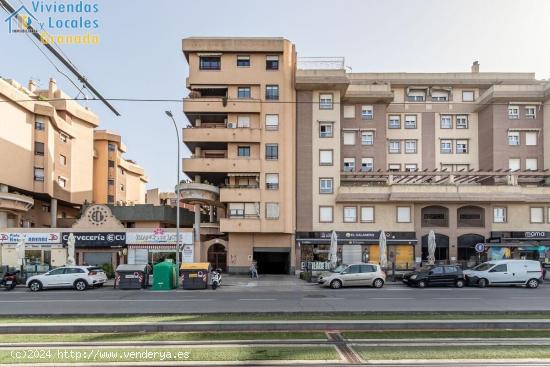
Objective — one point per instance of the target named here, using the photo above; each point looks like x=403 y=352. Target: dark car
x=435 y=275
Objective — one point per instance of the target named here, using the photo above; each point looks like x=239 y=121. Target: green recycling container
x=165 y=276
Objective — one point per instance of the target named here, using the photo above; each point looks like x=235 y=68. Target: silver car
x=354 y=275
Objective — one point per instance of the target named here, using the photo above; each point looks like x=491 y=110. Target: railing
x=435 y=222
x=321 y=63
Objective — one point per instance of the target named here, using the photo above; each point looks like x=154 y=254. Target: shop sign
x=96 y=239
x=359 y=235
x=536 y=234
x=157 y=237
x=187 y=253
x=30 y=238
x=315 y=265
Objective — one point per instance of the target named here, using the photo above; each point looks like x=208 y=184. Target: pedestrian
x=254 y=270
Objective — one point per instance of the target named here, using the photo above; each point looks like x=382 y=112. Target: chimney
x=475 y=67
x=52 y=88
x=32 y=86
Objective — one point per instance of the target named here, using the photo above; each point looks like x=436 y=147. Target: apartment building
x=462 y=154
x=46 y=155
x=117 y=180
x=242 y=138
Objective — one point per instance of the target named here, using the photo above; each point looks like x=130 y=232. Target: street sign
x=480 y=247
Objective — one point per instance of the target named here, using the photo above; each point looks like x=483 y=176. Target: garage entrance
x=272 y=260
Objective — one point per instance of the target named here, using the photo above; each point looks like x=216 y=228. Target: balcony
x=197 y=193
x=220 y=165
x=191 y=136
x=194 y=105
x=240 y=194
x=240 y=225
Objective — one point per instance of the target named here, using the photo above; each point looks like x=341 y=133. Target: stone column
x=212 y=208
x=197 y=233
x=53 y=213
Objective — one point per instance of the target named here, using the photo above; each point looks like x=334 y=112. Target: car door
x=499 y=274
x=450 y=275
x=53 y=278
x=436 y=276
x=71 y=274
x=367 y=274
x=352 y=275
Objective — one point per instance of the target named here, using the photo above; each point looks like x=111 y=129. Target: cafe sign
x=96 y=239
x=157 y=237
x=31 y=238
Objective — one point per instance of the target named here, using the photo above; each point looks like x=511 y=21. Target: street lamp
x=178 y=249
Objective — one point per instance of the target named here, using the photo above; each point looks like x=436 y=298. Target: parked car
x=77 y=277
x=354 y=275
x=435 y=275
x=506 y=272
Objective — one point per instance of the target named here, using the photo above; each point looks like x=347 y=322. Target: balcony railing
x=435 y=222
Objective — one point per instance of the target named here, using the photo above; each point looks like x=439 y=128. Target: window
x=394 y=167
x=461 y=146
x=38 y=148
x=462 y=121
x=394 y=146
x=367 y=214
x=367 y=112
x=349 y=111
x=326 y=185
x=416 y=95
x=513 y=138
x=349 y=164
x=272 y=181
x=244 y=210
x=411 y=167
x=410 y=146
x=271 y=151
x=499 y=215
x=446 y=146
x=111 y=147
x=531 y=138
x=63 y=137
x=121 y=170
x=62 y=160
x=349 y=137
x=437 y=270
x=513 y=112
x=243 y=151
x=243 y=92
x=446 y=122
x=110 y=199
x=325 y=214
x=531 y=164
x=367 y=164
x=38 y=174
x=46 y=208
x=38 y=125
x=325 y=130
x=325 y=101
x=537 y=215
x=272 y=210
x=62 y=181
x=243 y=121
x=394 y=122
x=530 y=112
x=210 y=63
x=467 y=96
x=403 y=214
x=325 y=157
x=514 y=164
x=272 y=92
x=440 y=96
x=410 y=122
x=111 y=182
x=243 y=61
x=500 y=268
x=236 y=210
x=350 y=214
x=272 y=122
x=367 y=138
x=272 y=62
x=368 y=268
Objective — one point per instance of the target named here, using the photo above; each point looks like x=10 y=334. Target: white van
x=506 y=272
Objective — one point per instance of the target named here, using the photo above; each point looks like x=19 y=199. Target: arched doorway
x=441 y=249
x=466 y=246
x=217 y=256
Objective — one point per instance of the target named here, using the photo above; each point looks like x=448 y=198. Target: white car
x=506 y=272
x=354 y=275
x=77 y=277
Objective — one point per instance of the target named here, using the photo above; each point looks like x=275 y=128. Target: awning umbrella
x=333 y=251
x=20 y=250
x=431 y=247
x=70 y=250
x=382 y=246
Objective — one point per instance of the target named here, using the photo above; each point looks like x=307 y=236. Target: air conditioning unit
x=232 y=125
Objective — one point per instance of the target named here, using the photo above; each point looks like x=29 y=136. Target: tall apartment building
x=46 y=154
x=117 y=180
x=242 y=138
x=462 y=154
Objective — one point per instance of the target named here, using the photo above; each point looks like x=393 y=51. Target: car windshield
x=339 y=268
x=483 y=267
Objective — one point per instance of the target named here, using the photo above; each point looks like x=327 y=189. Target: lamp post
x=178 y=249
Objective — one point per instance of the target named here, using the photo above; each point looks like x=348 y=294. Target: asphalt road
x=288 y=295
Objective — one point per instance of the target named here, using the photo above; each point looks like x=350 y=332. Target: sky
x=139 y=54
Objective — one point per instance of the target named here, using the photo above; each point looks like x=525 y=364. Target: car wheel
x=421 y=284
x=532 y=283
x=459 y=283
x=80 y=285
x=335 y=284
x=378 y=283
x=482 y=283
x=35 y=286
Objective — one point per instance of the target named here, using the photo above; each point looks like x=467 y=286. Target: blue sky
x=139 y=55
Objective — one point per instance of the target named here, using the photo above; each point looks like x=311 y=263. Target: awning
x=536 y=129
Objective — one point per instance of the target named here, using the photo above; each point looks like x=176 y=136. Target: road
x=276 y=295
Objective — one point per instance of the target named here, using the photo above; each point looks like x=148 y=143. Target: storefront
x=105 y=249
x=356 y=247
x=157 y=245
x=528 y=245
x=43 y=251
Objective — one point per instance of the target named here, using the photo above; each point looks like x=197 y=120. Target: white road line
x=257 y=299
x=389 y=298
x=457 y=298
x=106 y=300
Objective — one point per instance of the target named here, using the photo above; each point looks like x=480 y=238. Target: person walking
x=254 y=270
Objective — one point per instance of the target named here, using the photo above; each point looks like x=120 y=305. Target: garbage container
x=132 y=276
x=195 y=275
x=164 y=276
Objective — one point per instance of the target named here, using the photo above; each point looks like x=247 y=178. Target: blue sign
x=480 y=247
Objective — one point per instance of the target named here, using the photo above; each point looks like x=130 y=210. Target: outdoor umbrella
x=70 y=249
x=382 y=248
x=20 y=250
x=333 y=251
x=431 y=247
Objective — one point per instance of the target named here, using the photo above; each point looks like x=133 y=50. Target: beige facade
x=117 y=180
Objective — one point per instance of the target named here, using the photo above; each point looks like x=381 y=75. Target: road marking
x=456 y=298
x=390 y=298
x=106 y=300
x=257 y=299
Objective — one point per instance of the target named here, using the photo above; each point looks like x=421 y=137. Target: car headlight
x=413 y=276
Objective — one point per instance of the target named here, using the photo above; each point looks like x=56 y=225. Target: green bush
x=108 y=269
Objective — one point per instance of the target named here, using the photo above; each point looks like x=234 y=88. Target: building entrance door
x=217 y=256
